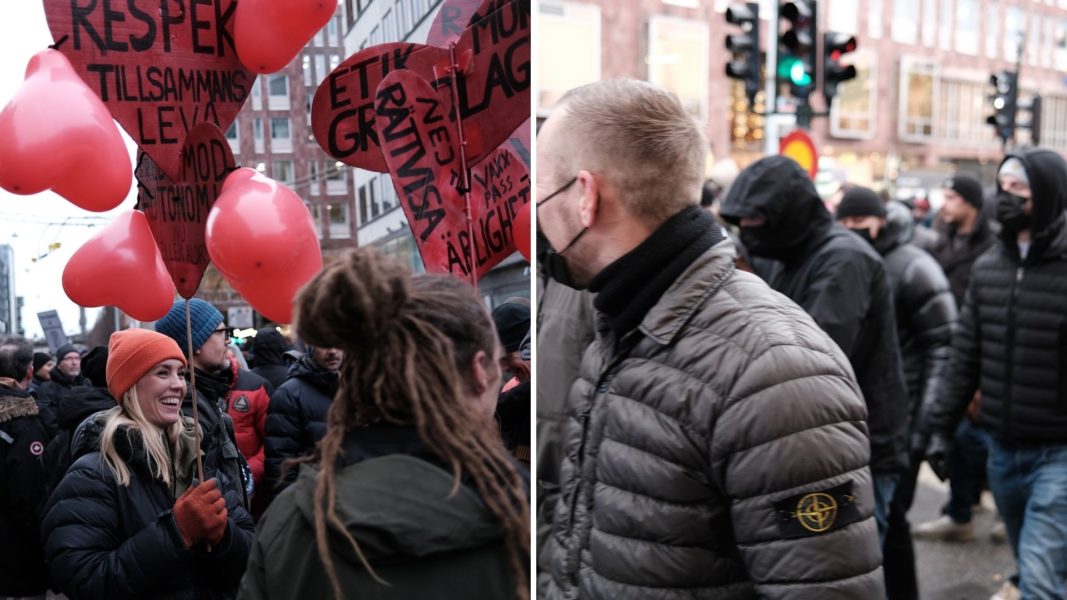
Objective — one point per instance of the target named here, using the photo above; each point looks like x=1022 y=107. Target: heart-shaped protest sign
x=160 y=70
x=492 y=88
x=177 y=209
x=420 y=145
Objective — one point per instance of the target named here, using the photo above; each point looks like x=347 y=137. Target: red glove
x=200 y=513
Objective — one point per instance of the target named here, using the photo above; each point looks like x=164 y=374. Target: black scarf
x=629 y=287
x=215 y=386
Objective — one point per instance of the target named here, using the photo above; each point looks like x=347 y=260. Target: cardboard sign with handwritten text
x=419 y=144
x=493 y=88
x=159 y=67
x=177 y=209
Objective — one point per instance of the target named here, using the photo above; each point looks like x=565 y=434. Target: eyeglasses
x=222 y=330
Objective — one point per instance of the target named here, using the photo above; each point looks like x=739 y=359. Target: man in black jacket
x=296 y=420
x=22 y=475
x=64 y=377
x=925 y=314
x=43 y=363
x=1012 y=345
x=841 y=282
x=268 y=352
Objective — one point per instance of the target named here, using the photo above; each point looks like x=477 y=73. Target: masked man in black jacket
x=1012 y=345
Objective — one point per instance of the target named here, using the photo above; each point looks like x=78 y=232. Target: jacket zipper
x=1010 y=349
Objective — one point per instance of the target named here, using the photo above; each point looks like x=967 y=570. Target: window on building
x=233 y=134
x=335 y=60
x=279 y=85
x=279 y=128
x=678 y=48
x=875 y=10
x=568 y=51
x=257 y=128
x=992 y=30
x=1014 y=27
x=945 y=24
x=364 y=215
x=905 y=27
x=336 y=172
x=340 y=223
x=389 y=26
x=1033 y=40
x=918 y=90
x=331 y=33
x=309 y=77
x=283 y=171
x=852 y=114
x=843 y=16
x=1054 y=122
x=372 y=198
x=968 y=13
x=1059 y=53
x=316 y=217
x=928 y=23
x=963 y=109
x=350 y=13
x=320 y=69
x=1048 y=49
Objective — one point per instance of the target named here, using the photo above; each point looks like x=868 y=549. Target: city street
x=957 y=571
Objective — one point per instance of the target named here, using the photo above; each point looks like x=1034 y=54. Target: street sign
x=799 y=147
x=53 y=329
x=239 y=317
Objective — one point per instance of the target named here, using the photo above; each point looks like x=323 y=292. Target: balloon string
x=464 y=169
x=196 y=414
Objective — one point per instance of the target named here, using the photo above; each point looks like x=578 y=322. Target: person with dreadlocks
x=411 y=493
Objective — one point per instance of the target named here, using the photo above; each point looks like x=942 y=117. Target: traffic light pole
x=770 y=134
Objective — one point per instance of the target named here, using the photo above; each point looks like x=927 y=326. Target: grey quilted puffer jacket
x=718 y=451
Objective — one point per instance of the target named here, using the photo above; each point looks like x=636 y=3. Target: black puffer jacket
x=1012 y=339
x=695 y=443
x=22 y=489
x=73 y=409
x=108 y=541
x=840 y=281
x=269 y=352
x=51 y=392
x=956 y=253
x=296 y=420
x=925 y=309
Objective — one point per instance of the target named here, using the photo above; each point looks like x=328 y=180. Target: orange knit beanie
x=132 y=353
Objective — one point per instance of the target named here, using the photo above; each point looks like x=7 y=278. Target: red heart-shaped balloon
x=121 y=266
x=177 y=210
x=159 y=70
x=58 y=135
x=421 y=148
x=493 y=87
x=270 y=33
x=262 y=239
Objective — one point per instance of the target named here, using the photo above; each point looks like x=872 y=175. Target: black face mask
x=1010 y=212
x=555 y=264
x=761 y=241
x=864 y=233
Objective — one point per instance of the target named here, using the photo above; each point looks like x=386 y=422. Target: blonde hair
x=640 y=138
x=128 y=415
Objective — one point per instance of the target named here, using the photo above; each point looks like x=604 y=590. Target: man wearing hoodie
x=64 y=377
x=1012 y=345
x=268 y=351
x=297 y=417
x=840 y=281
x=715 y=444
x=925 y=314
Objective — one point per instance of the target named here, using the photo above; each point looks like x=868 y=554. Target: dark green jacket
x=424 y=543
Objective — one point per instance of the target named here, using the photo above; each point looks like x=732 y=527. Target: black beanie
x=39 y=360
x=512 y=323
x=860 y=202
x=64 y=350
x=966 y=186
x=94 y=366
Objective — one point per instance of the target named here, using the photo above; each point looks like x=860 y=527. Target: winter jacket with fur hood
x=838 y=279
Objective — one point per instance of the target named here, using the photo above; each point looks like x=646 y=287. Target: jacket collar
x=15 y=403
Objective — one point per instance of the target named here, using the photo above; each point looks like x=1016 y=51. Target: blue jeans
x=966 y=467
x=1030 y=486
x=884 y=485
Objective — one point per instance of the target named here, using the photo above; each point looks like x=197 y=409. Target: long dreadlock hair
x=409 y=343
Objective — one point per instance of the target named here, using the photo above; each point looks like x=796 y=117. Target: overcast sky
x=30 y=223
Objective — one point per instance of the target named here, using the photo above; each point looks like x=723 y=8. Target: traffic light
x=796 y=52
x=1034 y=124
x=834 y=46
x=1004 y=98
x=745 y=64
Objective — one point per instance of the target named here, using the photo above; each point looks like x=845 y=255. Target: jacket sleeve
x=790 y=451
x=284 y=429
x=254 y=582
x=26 y=480
x=261 y=406
x=87 y=557
x=933 y=313
x=832 y=299
x=957 y=380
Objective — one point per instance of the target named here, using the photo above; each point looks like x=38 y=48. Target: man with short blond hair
x=715 y=442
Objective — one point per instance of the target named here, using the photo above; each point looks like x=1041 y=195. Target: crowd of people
x=371 y=462
x=738 y=405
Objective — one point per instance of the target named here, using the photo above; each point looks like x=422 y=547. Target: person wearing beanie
x=130 y=517
x=232 y=402
x=63 y=379
x=512 y=321
x=925 y=314
x=268 y=351
x=1010 y=347
x=42 y=369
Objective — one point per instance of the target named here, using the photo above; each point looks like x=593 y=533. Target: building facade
x=380 y=218
x=9 y=303
x=919 y=102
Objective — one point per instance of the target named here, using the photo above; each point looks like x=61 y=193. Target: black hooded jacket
x=1011 y=342
x=50 y=392
x=956 y=253
x=72 y=410
x=925 y=308
x=269 y=352
x=838 y=279
x=297 y=418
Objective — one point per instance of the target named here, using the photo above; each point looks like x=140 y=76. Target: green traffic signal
x=792 y=69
